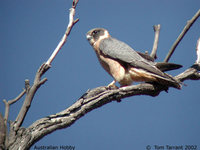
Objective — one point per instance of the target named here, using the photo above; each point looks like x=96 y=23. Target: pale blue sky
x=29 y=32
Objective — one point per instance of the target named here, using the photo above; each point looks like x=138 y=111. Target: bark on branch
x=2 y=132
x=10 y=102
x=91 y=100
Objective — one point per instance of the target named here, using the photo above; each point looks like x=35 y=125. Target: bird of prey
x=123 y=63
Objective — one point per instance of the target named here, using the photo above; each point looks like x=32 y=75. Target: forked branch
x=43 y=68
x=10 y=102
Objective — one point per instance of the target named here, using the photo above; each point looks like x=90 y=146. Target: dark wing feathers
x=165 y=66
x=118 y=50
x=121 y=51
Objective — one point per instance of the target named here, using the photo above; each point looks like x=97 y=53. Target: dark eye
x=94 y=32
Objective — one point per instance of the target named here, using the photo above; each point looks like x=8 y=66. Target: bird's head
x=97 y=34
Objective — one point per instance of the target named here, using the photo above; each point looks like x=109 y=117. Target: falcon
x=124 y=64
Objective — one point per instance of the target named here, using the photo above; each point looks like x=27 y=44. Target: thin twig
x=10 y=102
x=198 y=51
x=27 y=85
x=7 y=106
x=191 y=73
x=67 y=32
x=156 y=38
x=186 y=28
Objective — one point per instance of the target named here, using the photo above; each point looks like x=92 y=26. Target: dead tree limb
x=29 y=96
x=180 y=37
x=2 y=132
x=192 y=73
x=10 y=102
x=7 y=107
x=71 y=23
x=15 y=127
x=91 y=100
x=44 y=67
x=156 y=39
x=198 y=51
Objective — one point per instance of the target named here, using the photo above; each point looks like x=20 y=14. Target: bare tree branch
x=4 y=123
x=72 y=22
x=29 y=96
x=198 y=51
x=156 y=38
x=2 y=132
x=91 y=100
x=191 y=73
x=44 y=67
x=10 y=102
x=15 y=129
x=180 y=37
x=27 y=85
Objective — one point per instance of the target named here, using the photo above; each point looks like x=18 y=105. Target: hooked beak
x=89 y=37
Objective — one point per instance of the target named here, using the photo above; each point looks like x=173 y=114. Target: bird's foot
x=112 y=85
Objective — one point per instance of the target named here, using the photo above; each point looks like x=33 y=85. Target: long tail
x=172 y=82
x=163 y=66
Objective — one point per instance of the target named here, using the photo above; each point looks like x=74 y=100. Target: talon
x=112 y=85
